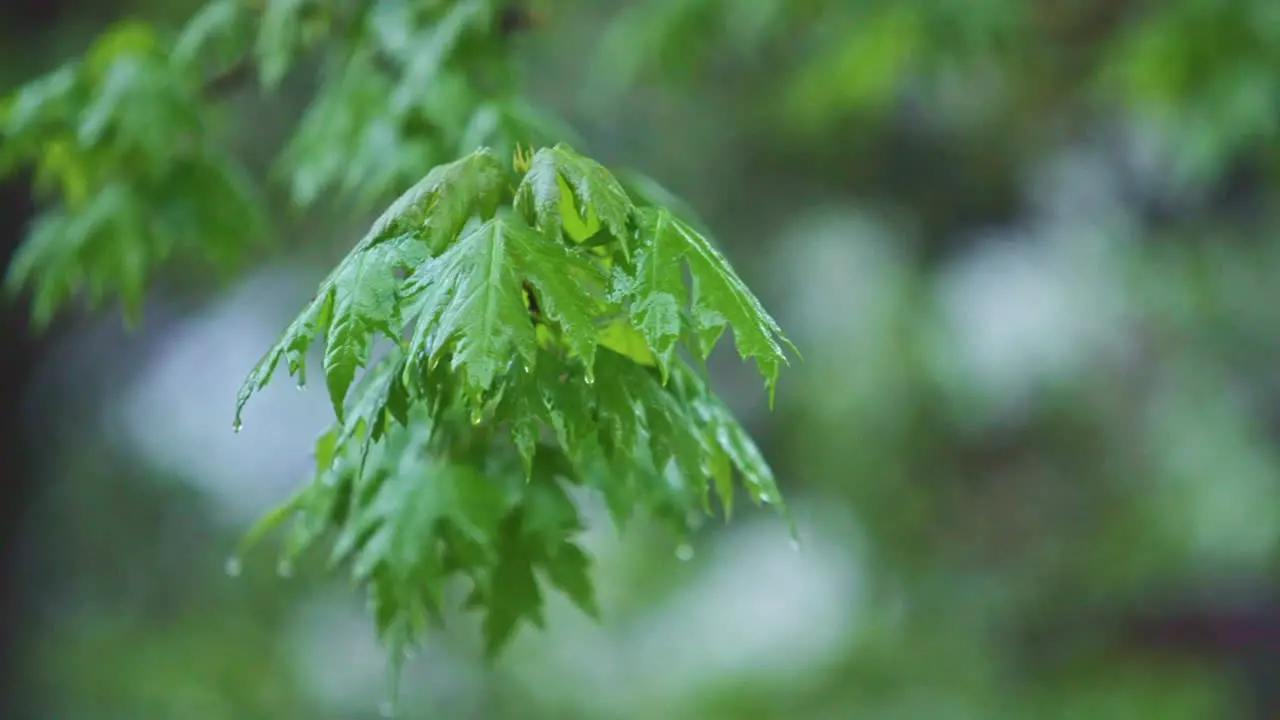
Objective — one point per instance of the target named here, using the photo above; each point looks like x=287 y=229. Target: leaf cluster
x=541 y=337
x=506 y=337
x=128 y=162
x=121 y=145
x=403 y=86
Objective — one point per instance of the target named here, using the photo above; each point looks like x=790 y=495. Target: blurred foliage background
x=1026 y=247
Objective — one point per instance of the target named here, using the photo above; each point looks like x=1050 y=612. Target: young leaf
x=557 y=173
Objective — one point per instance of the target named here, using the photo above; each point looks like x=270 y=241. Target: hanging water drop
x=477 y=416
x=237 y=427
x=684 y=553
x=387 y=709
x=795 y=544
x=233 y=567
x=591 y=379
x=284 y=569
x=302 y=387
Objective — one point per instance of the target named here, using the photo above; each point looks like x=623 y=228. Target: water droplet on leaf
x=591 y=379
x=233 y=567
x=684 y=553
x=237 y=427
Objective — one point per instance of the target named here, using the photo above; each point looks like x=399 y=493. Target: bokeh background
x=1028 y=250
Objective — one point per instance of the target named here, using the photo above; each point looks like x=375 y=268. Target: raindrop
x=302 y=387
x=233 y=567
x=795 y=545
x=684 y=553
x=477 y=416
x=591 y=379
x=284 y=569
x=237 y=427
x=387 y=709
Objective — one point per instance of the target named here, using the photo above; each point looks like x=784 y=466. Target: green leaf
x=357 y=302
x=47 y=100
x=362 y=299
x=214 y=39
x=473 y=301
x=570 y=570
x=530 y=369
x=543 y=397
x=363 y=295
x=434 y=47
x=558 y=172
x=280 y=36
x=349 y=140
x=502 y=123
x=420 y=493
x=535 y=536
x=512 y=595
x=656 y=294
x=120 y=142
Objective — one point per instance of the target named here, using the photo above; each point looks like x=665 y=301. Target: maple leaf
x=422 y=491
x=536 y=536
x=363 y=295
x=540 y=397
x=728 y=445
x=472 y=300
x=563 y=187
x=656 y=294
